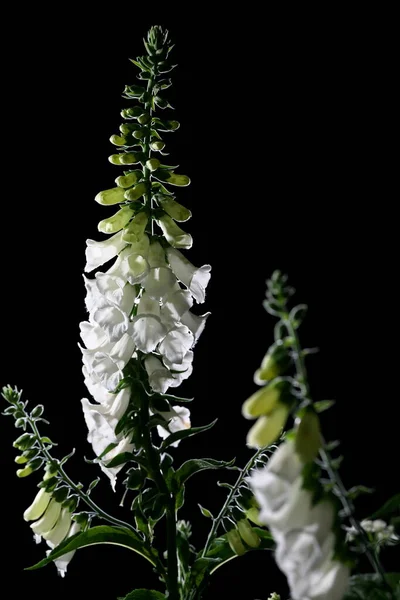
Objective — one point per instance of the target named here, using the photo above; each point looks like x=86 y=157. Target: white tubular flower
x=107 y=362
x=98 y=253
x=63 y=562
x=176 y=344
x=159 y=282
x=112 y=321
x=176 y=304
x=196 y=323
x=38 y=506
x=132 y=265
x=156 y=255
x=303 y=532
x=56 y=535
x=48 y=520
x=115 y=291
x=93 y=336
x=180 y=371
x=178 y=420
x=160 y=378
x=194 y=278
x=147 y=329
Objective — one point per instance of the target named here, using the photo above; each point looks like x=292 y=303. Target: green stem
x=158 y=477
x=99 y=511
x=147 y=153
x=231 y=494
x=332 y=472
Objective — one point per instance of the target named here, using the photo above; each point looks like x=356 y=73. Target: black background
x=287 y=134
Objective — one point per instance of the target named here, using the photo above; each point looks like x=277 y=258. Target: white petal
x=147 y=332
x=98 y=253
x=56 y=535
x=64 y=560
x=94 y=386
x=175 y=305
x=48 y=520
x=38 y=506
x=124 y=446
x=148 y=305
x=178 y=420
x=181 y=371
x=160 y=378
x=195 y=278
x=112 y=320
x=108 y=365
x=176 y=344
x=159 y=282
x=330 y=582
x=195 y=323
x=93 y=296
x=93 y=336
x=116 y=291
x=157 y=255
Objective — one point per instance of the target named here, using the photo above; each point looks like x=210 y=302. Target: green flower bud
x=173 y=178
x=136 y=228
x=174 y=234
x=37 y=411
x=265 y=400
x=25 y=441
x=308 y=436
x=19 y=422
x=152 y=164
x=174 y=209
x=115 y=159
x=235 y=542
x=267 y=429
x=248 y=534
x=126 y=181
x=143 y=118
x=131 y=112
x=139 y=134
x=118 y=140
x=130 y=158
x=274 y=363
x=109 y=197
x=157 y=145
x=136 y=192
x=117 y=221
x=21 y=460
x=25 y=472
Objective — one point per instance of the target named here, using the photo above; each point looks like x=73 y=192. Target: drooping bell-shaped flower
x=147 y=328
x=176 y=344
x=177 y=419
x=160 y=378
x=98 y=253
x=63 y=561
x=194 y=278
x=38 y=506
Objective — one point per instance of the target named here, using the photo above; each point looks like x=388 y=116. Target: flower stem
x=326 y=458
x=99 y=511
x=158 y=477
x=235 y=487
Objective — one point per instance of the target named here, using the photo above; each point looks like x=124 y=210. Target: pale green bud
x=157 y=145
x=264 y=401
x=129 y=158
x=109 y=197
x=174 y=209
x=235 y=542
x=126 y=181
x=48 y=520
x=274 y=363
x=117 y=221
x=143 y=118
x=135 y=193
x=38 y=506
x=308 y=436
x=248 y=534
x=115 y=159
x=21 y=460
x=152 y=164
x=24 y=472
x=253 y=515
x=118 y=140
x=136 y=228
x=267 y=429
x=174 y=234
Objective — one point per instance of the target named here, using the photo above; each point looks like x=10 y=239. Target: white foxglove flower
x=159 y=282
x=107 y=363
x=93 y=336
x=38 y=506
x=132 y=265
x=194 y=278
x=178 y=419
x=55 y=536
x=303 y=532
x=115 y=291
x=98 y=253
x=175 y=305
x=180 y=371
x=176 y=344
x=112 y=320
x=160 y=378
x=156 y=256
x=147 y=328
x=48 y=520
x=196 y=323
x=63 y=561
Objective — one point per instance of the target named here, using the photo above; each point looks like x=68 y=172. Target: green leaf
x=195 y=465
x=180 y=435
x=205 y=512
x=144 y=595
x=369 y=587
x=323 y=405
x=357 y=490
x=102 y=534
x=391 y=506
x=108 y=449
x=120 y=459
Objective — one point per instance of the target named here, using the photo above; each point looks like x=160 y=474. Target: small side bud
x=25 y=441
x=308 y=435
x=248 y=534
x=152 y=164
x=275 y=362
x=235 y=542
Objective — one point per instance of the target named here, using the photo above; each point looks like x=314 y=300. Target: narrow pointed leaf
x=180 y=435
x=195 y=465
